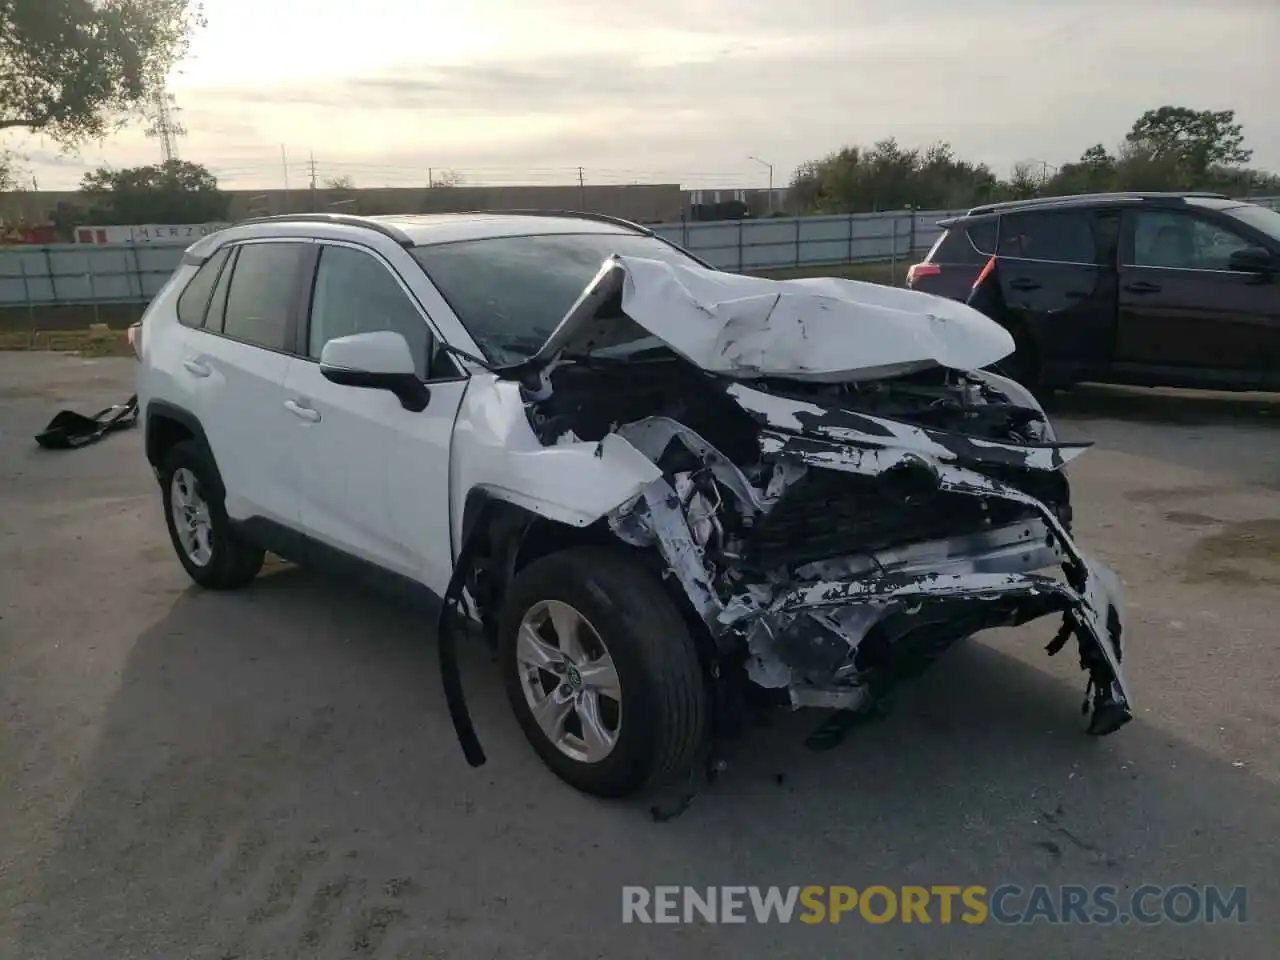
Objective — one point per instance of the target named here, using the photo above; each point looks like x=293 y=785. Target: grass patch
x=881 y=271
x=89 y=343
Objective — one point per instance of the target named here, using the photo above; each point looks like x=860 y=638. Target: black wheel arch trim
x=164 y=410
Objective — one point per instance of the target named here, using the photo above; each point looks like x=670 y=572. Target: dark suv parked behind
x=1151 y=289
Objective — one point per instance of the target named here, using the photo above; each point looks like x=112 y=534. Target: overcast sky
x=685 y=90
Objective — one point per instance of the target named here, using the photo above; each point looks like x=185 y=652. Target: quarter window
x=355 y=293
x=261 y=294
x=218 y=303
x=195 y=298
x=1063 y=237
x=1180 y=241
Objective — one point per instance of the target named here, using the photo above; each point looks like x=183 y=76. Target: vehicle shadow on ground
x=277 y=776
x=1174 y=407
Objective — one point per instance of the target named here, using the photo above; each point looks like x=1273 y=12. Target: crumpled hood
x=819 y=329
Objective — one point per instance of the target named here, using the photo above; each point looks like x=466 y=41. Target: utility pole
x=1045 y=167
x=313 y=182
x=765 y=163
x=284 y=163
x=582 y=191
x=431 y=182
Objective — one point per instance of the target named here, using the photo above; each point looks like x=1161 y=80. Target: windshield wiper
x=470 y=357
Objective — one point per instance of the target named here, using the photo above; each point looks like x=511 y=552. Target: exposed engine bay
x=841 y=536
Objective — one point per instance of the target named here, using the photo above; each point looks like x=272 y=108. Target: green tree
x=10 y=170
x=70 y=69
x=446 y=178
x=177 y=192
x=1169 y=148
x=1192 y=141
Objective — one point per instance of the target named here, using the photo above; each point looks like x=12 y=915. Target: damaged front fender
x=496 y=451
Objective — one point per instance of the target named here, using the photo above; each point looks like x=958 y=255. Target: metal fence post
x=911 y=235
x=48 y=267
x=137 y=269
x=893 y=257
x=849 y=224
x=93 y=288
x=26 y=293
x=741 y=265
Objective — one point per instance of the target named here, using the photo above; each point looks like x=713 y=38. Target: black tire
x=1023 y=365
x=665 y=721
x=232 y=562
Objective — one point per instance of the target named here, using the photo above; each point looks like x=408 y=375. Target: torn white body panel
x=824 y=329
x=572 y=482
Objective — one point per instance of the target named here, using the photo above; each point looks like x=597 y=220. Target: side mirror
x=377 y=361
x=1253 y=260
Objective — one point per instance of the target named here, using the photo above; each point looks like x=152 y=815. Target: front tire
x=213 y=556
x=602 y=672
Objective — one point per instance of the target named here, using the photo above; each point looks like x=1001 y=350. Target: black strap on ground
x=70 y=430
x=452 y=616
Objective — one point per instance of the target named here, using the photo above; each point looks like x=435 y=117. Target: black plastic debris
x=70 y=430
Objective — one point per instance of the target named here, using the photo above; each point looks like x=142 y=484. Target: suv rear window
x=973 y=244
x=1060 y=236
x=194 y=300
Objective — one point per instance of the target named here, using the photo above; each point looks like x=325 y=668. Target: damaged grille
x=829 y=514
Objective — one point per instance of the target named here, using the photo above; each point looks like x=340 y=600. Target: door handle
x=1024 y=284
x=196 y=368
x=1141 y=286
x=310 y=414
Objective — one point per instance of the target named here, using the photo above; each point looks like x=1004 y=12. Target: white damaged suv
x=664 y=492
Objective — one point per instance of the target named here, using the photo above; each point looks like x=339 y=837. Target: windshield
x=511 y=292
x=1260 y=218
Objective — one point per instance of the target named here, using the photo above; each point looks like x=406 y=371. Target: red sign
x=24 y=234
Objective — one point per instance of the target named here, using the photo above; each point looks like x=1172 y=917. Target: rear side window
x=261 y=299
x=973 y=244
x=218 y=305
x=195 y=298
x=1063 y=237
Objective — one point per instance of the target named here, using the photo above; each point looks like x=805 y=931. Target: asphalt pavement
x=272 y=773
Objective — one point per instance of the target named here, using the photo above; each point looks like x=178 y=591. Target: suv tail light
x=135 y=338
x=918 y=270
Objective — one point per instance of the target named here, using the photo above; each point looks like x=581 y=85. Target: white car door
x=237 y=363
x=372 y=477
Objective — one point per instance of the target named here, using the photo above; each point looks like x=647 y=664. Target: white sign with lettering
x=160 y=234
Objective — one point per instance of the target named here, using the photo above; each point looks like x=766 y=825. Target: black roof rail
x=341 y=219
x=1116 y=195
x=576 y=214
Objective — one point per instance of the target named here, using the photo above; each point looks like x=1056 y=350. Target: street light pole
x=769 y=166
x=1045 y=167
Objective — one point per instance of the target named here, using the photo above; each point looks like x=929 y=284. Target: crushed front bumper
x=939 y=578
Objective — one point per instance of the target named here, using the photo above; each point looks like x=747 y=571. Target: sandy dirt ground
x=272 y=774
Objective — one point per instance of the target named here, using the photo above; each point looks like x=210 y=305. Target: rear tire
x=202 y=535
x=1023 y=365
x=658 y=714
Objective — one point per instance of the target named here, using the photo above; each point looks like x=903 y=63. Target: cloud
x=685 y=90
